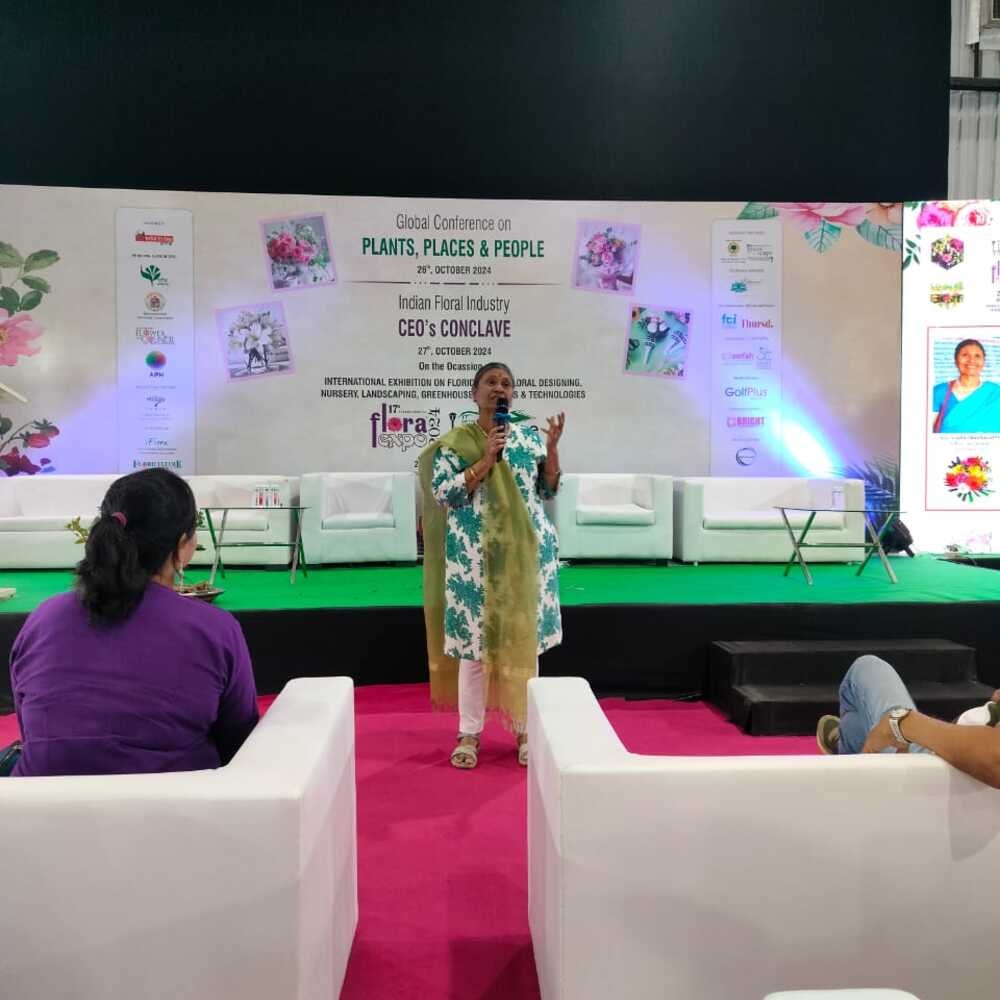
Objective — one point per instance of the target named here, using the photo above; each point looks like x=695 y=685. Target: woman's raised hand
x=554 y=431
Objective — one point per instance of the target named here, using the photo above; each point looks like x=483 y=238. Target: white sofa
x=716 y=877
x=733 y=519
x=239 y=882
x=356 y=517
x=34 y=511
x=265 y=525
x=614 y=516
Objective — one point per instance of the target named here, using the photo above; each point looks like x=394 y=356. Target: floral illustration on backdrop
x=606 y=256
x=22 y=290
x=823 y=222
x=254 y=340
x=940 y=215
x=657 y=341
x=298 y=252
x=969 y=478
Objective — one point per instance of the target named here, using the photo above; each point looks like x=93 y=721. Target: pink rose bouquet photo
x=298 y=253
x=606 y=256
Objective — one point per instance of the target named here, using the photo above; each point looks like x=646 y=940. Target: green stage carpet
x=925 y=580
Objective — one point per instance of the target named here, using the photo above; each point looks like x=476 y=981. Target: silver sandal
x=466 y=755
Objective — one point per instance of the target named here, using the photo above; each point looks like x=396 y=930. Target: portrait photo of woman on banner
x=967 y=403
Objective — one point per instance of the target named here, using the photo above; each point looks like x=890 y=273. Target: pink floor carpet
x=441 y=853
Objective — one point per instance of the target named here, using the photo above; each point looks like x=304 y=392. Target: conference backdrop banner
x=746 y=348
x=342 y=333
x=951 y=374
x=155 y=305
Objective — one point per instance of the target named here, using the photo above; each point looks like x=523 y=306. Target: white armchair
x=716 y=877
x=614 y=516
x=237 y=882
x=359 y=517
x=733 y=519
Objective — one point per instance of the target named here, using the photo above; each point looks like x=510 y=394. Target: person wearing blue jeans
x=877 y=715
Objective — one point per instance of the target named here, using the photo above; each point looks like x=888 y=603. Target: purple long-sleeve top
x=170 y=688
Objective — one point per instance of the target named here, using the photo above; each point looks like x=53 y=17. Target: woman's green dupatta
x=509 y=618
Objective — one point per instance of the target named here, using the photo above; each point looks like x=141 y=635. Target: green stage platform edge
x=922 y=580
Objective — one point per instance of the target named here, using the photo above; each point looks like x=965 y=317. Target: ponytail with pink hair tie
x=120 y=518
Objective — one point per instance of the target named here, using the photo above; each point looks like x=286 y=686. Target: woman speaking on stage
x=967 y=404
x=491 y=575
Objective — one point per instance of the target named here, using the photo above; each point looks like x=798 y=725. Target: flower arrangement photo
x=969 y=478
x=298 y=253
x=606 y=256
x=22 y=290
x=657 y=341
x=254 y=340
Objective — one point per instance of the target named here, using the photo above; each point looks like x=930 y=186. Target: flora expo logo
x=392 y=427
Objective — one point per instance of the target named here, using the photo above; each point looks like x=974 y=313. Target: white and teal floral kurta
x=463 y=570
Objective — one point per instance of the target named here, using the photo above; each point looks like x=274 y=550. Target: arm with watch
x=974 y=750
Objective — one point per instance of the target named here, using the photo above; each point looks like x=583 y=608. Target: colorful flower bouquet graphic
x=298 y=253
x=606 y=256
x=969 y=479
x=22 y=290
x=947 y=251
x=657 y=341
x=254 y=340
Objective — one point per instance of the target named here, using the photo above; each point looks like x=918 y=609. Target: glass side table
x=872 y=543
x=298 y=552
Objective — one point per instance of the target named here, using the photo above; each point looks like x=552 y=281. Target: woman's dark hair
x=142 y=519
x=969 y=343
x=488 y=367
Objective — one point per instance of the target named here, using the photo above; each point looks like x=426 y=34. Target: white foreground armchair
x=203 y=885
x=358 y=517
x=614 y=516
x=733 y=519
x=716 y=877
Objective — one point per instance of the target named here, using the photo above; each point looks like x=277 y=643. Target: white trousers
x=472 y=696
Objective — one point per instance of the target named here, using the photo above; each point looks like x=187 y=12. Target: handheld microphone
x=501 y=418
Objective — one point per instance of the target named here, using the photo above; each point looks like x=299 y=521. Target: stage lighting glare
x=805 y=450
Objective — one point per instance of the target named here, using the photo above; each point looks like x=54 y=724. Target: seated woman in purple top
x=124 y=675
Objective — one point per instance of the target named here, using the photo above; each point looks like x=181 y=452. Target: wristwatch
x=896 y=716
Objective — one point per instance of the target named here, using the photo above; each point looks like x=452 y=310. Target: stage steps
x=771 y=687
